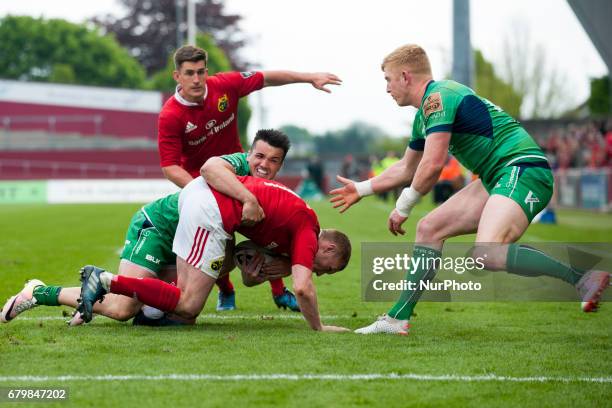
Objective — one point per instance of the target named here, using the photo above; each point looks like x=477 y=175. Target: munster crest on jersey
x=222 y=103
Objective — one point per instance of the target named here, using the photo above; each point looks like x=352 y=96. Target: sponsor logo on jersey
x=246 y=75
x=217 y=264
x=530 y=199
x=151 y=258
x=210 y=124
x=437 y=115
x=190 y=127
x=222 y=103
x=196 y=141
x=433 y=103
x=217 y=128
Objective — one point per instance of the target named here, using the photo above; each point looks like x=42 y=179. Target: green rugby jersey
x=484 y=138
x=163 y=213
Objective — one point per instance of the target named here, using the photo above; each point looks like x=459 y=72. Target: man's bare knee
x=188 y=307
x=123 y=309
x=427 y=230
x=187 y=312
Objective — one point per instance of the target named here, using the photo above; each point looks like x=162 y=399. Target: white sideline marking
x=299 y=377
x=213 y=316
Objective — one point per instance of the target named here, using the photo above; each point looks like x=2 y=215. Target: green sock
x=525 y=261
x=402 y=310
x=47 y=295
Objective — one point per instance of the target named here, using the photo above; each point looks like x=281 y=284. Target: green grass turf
x=507 y=339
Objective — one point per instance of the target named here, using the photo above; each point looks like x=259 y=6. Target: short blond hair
x=412 y=55
x=342 y=242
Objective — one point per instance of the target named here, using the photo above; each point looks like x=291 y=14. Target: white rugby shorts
x=200 y=238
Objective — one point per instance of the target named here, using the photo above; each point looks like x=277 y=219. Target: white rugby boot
x=20 y=302
x=386 y=324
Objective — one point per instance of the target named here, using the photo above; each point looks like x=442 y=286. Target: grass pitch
x=458 y=354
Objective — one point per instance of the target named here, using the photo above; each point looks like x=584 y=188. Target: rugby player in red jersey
x=207 y=220
x=201 y=121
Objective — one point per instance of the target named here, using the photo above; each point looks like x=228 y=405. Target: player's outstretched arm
x=317 y=79
x=426 y=175
x=434 y=157
x=307 y=299
x=221 y=176
x=399 y=174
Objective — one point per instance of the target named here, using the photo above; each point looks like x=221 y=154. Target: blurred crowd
x=578 y=146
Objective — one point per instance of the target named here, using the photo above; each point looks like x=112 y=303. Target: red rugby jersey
x=290 y=228
x=191 y=133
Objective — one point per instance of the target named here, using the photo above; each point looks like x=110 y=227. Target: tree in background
x=148 y=30
x=382 y=145
x=489 y=85
x=359 y=138
x=302 y=141
x=58 y=51
x=353 y=139
x=527 y=68
x=599 y=101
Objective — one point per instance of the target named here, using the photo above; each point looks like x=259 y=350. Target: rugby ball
x=246 y=251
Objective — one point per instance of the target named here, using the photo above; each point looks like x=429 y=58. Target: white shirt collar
x=184 y=101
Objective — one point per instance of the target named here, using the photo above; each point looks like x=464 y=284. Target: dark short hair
x=189 y=53
x=274 y=138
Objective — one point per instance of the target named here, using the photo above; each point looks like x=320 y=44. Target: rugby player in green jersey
x=148 y=245
x=515 y=183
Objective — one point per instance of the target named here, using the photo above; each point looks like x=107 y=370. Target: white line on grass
x=209 y=316
x=300 y=377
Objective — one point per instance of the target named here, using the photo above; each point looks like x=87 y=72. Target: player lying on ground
x=515 y=183
x=148 y=249
x=207 y=220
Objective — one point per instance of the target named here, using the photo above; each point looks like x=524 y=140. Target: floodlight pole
x=463 y=60
x=191 y=23
x=179 y=4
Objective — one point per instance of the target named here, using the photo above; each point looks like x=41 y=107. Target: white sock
x=105 y=280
